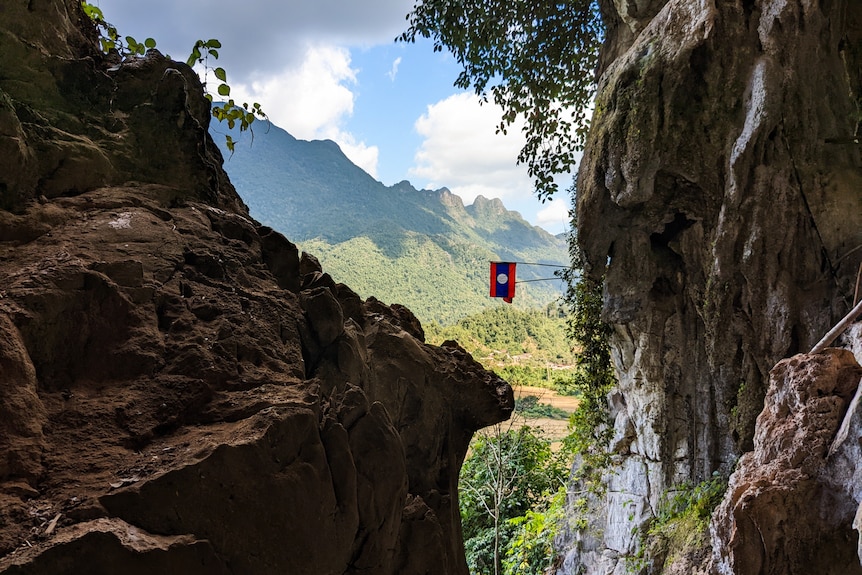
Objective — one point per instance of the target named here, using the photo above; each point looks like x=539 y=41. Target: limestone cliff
x=719 y=196
x=181 y=391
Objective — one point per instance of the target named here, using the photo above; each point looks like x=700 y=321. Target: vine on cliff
x=595 y=377
x=228 y=111
x=109 y=37
x=681 y=525
x=590 y=426
x=127 y=47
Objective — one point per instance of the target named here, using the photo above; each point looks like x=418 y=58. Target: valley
x=424 y=249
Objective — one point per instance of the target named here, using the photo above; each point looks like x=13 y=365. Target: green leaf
x=213 y=53
x=213 y=43
x=194 y=56
x=94 y=12
x=150 y=43
x=220 y=74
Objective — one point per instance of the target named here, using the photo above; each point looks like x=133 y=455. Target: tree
x=530 y=550
x=510 y=474
x=536 y=58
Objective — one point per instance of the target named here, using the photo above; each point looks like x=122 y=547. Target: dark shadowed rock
x=180 y=390
x=105 y=546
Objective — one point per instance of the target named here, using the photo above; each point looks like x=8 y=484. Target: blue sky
x=330 y=69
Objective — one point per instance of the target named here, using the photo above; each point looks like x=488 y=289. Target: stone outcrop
x=181 y=390
x=791 y=502
x=719 y=198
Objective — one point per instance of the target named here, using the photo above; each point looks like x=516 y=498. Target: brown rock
x=22 y=415
x=105 y=546
x=180 y=391
x=782 y=513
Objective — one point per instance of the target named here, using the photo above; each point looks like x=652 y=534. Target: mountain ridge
x=425 y=248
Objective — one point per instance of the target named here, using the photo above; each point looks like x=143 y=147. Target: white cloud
x=309 y=99
x=313 y=101
x=462 y=151
x=360 y=153
x=554 y=215
x=394 y=70
x=260 y=37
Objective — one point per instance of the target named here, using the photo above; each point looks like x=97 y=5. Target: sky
x=331 y=69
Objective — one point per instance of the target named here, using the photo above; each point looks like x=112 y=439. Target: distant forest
x=526 y=347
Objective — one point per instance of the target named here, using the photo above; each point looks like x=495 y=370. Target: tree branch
x=839 y=328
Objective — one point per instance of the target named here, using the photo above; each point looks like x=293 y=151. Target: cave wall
x=719 y=197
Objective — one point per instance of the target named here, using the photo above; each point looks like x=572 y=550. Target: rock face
x=791 y=502
x=719 y=198
x=182 y=391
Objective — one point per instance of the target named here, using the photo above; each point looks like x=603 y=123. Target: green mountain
x=421 y=248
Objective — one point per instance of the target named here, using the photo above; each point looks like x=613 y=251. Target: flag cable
x=538 y=280
x=536 y=264
x=532 y=264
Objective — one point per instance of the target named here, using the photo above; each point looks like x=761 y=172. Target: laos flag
x=503 y=280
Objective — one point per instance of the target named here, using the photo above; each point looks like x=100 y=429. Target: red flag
x=503 y=280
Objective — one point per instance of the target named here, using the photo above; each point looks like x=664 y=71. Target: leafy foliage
x=682 y=522
x=537 y=60
x=533 y=372
x=110 y=38
x=529 y=406
x=126 y=48
x=235 y=115
x=510 y=473
x=530 y=549
x=505 y=331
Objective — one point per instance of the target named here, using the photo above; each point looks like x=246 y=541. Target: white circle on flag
x=502 y=278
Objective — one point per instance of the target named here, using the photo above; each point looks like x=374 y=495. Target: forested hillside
x=420 y=248
x=526 y=347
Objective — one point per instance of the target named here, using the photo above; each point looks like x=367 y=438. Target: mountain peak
x=419 y=247
x=484 y=207
x=448 y=199
x=404 y=186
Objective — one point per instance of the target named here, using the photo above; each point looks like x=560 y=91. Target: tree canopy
x=508 y=480
x=536 y=58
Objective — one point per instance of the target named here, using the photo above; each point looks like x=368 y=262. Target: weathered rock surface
x=719 y=198
x=790 y=504
x=182 y=391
